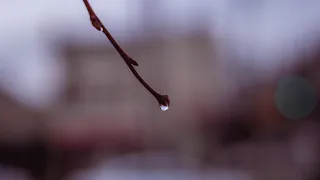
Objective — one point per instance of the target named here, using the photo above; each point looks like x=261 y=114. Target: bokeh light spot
x=295 y=97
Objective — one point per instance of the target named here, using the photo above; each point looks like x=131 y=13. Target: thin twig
x=163 y=100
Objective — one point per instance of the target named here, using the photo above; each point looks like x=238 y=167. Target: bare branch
x=163 y=100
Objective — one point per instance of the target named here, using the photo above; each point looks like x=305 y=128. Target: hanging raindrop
x=163 y=107
x=164 y=102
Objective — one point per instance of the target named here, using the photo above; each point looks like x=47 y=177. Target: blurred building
x=103 y=102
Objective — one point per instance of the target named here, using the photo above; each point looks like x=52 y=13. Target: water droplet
x=163 y=107
x=101 y=29
x=164 y=102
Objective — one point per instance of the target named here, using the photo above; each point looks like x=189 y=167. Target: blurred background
x=242 y=77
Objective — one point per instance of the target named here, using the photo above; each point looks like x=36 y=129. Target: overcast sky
x=267 y=30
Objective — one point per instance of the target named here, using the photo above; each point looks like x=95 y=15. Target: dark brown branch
x=163 y=100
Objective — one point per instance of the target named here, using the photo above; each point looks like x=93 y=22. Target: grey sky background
x=260 y=33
